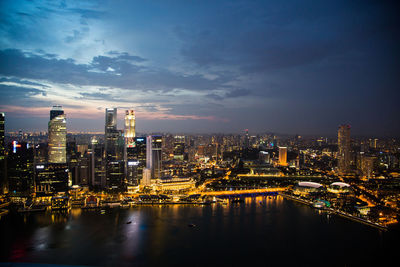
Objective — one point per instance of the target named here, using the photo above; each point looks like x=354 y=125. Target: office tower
x=98 y=166
x=136 y=161
x=3 y=176
x=113 y=151
x=2 y=144
x=344 y=148
x=156 y=157
x=153 y=155
x=111 y=134
x=367 y=166
x=20 y=169
x=129 y=143
x=130 y=123
x=57 y=136
x=179 y=147
x=283 y=156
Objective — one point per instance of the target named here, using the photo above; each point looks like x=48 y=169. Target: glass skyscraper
x=57 y=136
x=113 y=151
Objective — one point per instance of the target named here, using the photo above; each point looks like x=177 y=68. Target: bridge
x=246 y=192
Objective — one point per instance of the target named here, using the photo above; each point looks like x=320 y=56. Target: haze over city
x=213 y=66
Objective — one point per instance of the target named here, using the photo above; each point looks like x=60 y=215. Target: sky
x=295 y=67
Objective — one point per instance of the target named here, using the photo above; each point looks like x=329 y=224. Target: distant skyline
x=210 y=66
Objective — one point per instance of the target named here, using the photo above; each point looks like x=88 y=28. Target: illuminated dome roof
x=310 y=184
x=340 y=184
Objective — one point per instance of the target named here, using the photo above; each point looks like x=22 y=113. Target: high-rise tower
x=113 y=151
x=130 y=124
x=344 y=148
x=111 y=134
x=2 y=148
x=283 y=156
x=57 y=136
x=3 y=183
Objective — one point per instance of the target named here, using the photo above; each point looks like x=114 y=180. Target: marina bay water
x=266 y=231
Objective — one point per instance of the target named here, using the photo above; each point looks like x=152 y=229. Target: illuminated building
x=20 y=168
x=97 y=165
x=130 y=124
x=129 y=143
x=2 y=147
x=113 y=150
x=136 y=161
x=339 y=188
x=3 y=179
x=344 y=148
x=51 y=178
x=367 y=166
x=264 y=157
x=305 y=188
x=154 y=155
x=146 y=180
x=57 y=136
x=174 y=184
x=283 y=156
x=111 y=134
x=179 y=147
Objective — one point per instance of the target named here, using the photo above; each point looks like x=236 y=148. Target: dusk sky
x=203 y=66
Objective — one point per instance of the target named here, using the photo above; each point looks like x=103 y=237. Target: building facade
x=57 y=136
x=344 y=149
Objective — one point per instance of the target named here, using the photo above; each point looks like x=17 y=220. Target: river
x=261 y=231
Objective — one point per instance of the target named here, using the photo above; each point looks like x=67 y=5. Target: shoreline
x=338 y=212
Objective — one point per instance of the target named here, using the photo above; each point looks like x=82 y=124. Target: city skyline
x=301 y=68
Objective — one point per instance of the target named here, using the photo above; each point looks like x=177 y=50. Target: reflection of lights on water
x=76 y=212
x=40 y=236
x=41 y=246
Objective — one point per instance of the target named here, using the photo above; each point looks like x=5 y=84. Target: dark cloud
x=126 y=73
x=291 y=66
x=238 y=93
x=21 y=96
x=23 y=82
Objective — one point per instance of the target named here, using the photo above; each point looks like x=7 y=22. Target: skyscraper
x=153 y=155
x=129 y=143
x=57 y=136
x=130 y=124
x=2 y=148
x=344 y=148
x=3 y=179
x=136 y=161
x=156 y=156
x=283 y=156
x=113 y=151
x=111 y=134
x=20 y=168
x=179 y=147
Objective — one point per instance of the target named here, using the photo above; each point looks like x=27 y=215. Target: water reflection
x=224 y=234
